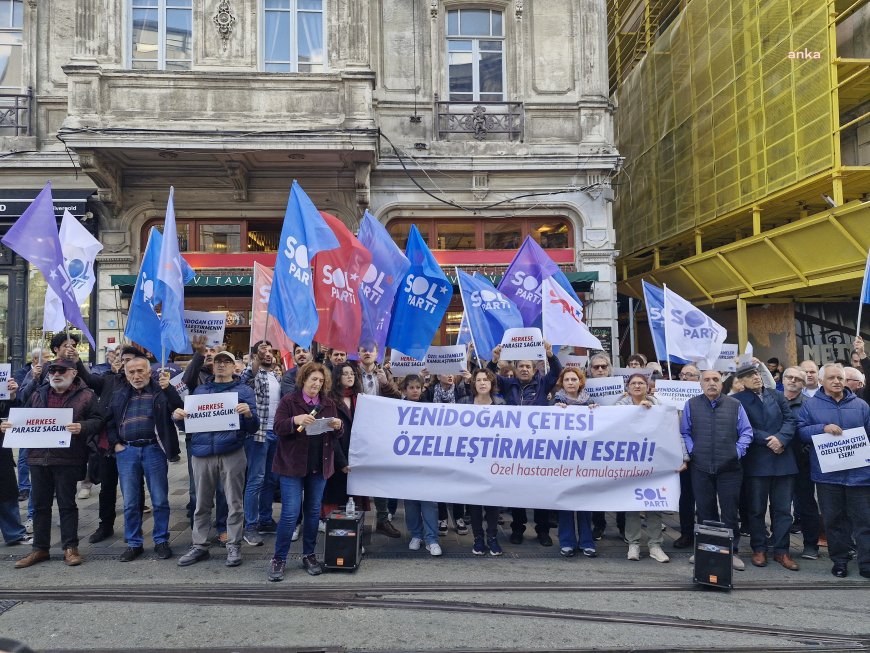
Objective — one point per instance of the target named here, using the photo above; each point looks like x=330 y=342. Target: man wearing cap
x=140 y=428
x=717 y=433
x=769 y=467
x=218 y=457
x=54 y=472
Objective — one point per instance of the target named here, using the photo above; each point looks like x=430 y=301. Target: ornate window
x=475 y=55
x=161 y=34
x=11 y=24
x=294 y=36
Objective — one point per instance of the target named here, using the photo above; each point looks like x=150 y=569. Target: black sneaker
x=101 y=534
x=131 y=553
x=597 y=533
x=544 y=539
x=516 y=537
x=311 y=565
x=276 y=570
x=810 y=553
x=24 y=495
x=267 y=528
x=162 y=550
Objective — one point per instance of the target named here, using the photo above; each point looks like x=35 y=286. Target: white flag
x=563 y=318
x=690 y=333
x=80 y=249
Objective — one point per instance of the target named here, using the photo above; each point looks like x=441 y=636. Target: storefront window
x=220 y=238
x=399 y=231
x=35 y=304
x=456 y=235
x=550 y=234
x=263 y=236
x=502 y=235
x=183 y=230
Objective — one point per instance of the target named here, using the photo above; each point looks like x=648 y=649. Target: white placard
x=725 y=362
x=213 y=412
x=179 y=385
x=676 y=393
x=838 y=452
x=401 y=365
x=5 y=375
x=446 y=360
x=605 y=391
x=39 y=428
x=547 y=457
x=321 y=425
x=525 y=344
x=204 y=323
x=577 y=362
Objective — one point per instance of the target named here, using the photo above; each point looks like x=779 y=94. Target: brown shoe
x=32 y=558
x=72 y=557
x=386 y=528
x=759 y=559
x=785 y=560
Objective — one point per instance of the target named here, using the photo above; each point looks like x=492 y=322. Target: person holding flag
x=488 y=313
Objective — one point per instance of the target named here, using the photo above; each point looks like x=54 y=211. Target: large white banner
x=607 y=458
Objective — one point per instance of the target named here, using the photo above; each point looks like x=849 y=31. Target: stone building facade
x=481 y=122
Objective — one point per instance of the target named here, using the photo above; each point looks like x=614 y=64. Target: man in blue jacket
x=529 y=388
x=769 y=467
x=219 y=457
x=844 y=496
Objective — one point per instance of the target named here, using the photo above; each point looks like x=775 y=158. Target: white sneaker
x=434 y=549
x=415 y=544
x=84 y=493
x=321 y=527
x=633 y=552
x=737 y=563
x=28 y=526
x=296 y=532
x=657 y=554
x=691 y=559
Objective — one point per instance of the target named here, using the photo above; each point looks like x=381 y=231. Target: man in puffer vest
x=717 y=433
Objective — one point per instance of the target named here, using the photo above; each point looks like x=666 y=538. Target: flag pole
x=667 y=355
x=468 y=322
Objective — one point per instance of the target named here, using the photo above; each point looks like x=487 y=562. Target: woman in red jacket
x=303 y=462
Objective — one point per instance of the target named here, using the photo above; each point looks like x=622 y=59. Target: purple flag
x=34 y=237
x=522 y=281
x=380 y=282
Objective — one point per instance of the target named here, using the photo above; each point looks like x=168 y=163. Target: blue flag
x=865 y=286
x=421 y=301
x=304 y=234
x=143 y=323
x=488 y=312
x=380 y=282
x=522 y=281
x=34 y=237
x=464 y=335
x=654 y=298
x=169 y=291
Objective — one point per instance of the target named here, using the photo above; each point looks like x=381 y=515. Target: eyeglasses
x=689 y=375
x=57 y=370
x=600 y=367
x=789 y=377
x=637 y=383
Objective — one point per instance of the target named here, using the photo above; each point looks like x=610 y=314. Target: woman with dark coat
x=10 y=518
x=304 y=462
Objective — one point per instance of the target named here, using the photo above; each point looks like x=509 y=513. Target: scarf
x=581 y=400
x=443 y=396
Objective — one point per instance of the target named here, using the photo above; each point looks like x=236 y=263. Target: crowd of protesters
x=748 y=459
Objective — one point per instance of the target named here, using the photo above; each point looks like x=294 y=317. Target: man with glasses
x=686 y=539
x=599 y=366
x=54 y=472
x=717 y=433
x=219 y=459
x=140 y=429
x=769 y=467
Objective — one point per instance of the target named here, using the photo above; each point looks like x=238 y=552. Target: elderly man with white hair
x=844 y=496
x=854 y=380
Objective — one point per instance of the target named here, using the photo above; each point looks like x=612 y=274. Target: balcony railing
x=482 y=120
x=16 y=113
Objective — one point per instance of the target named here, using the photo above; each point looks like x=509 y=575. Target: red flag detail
x=262 y=326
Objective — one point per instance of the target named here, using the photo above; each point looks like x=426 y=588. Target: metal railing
x=16 y=113
x=481 y=120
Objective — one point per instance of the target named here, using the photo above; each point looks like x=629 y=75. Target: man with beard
x=55 y=472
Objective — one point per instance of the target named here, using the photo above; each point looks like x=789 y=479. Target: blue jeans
x=270 y=481
x=573 y=523
x=421 y=518
x=23 y=471
x=10 y=521
x=221 y=508
x=256 y=455
x=134 y=463
x=292 y=488
x=777 y=490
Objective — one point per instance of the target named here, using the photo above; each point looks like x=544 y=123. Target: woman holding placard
x=304 y=462
x=570 y=391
